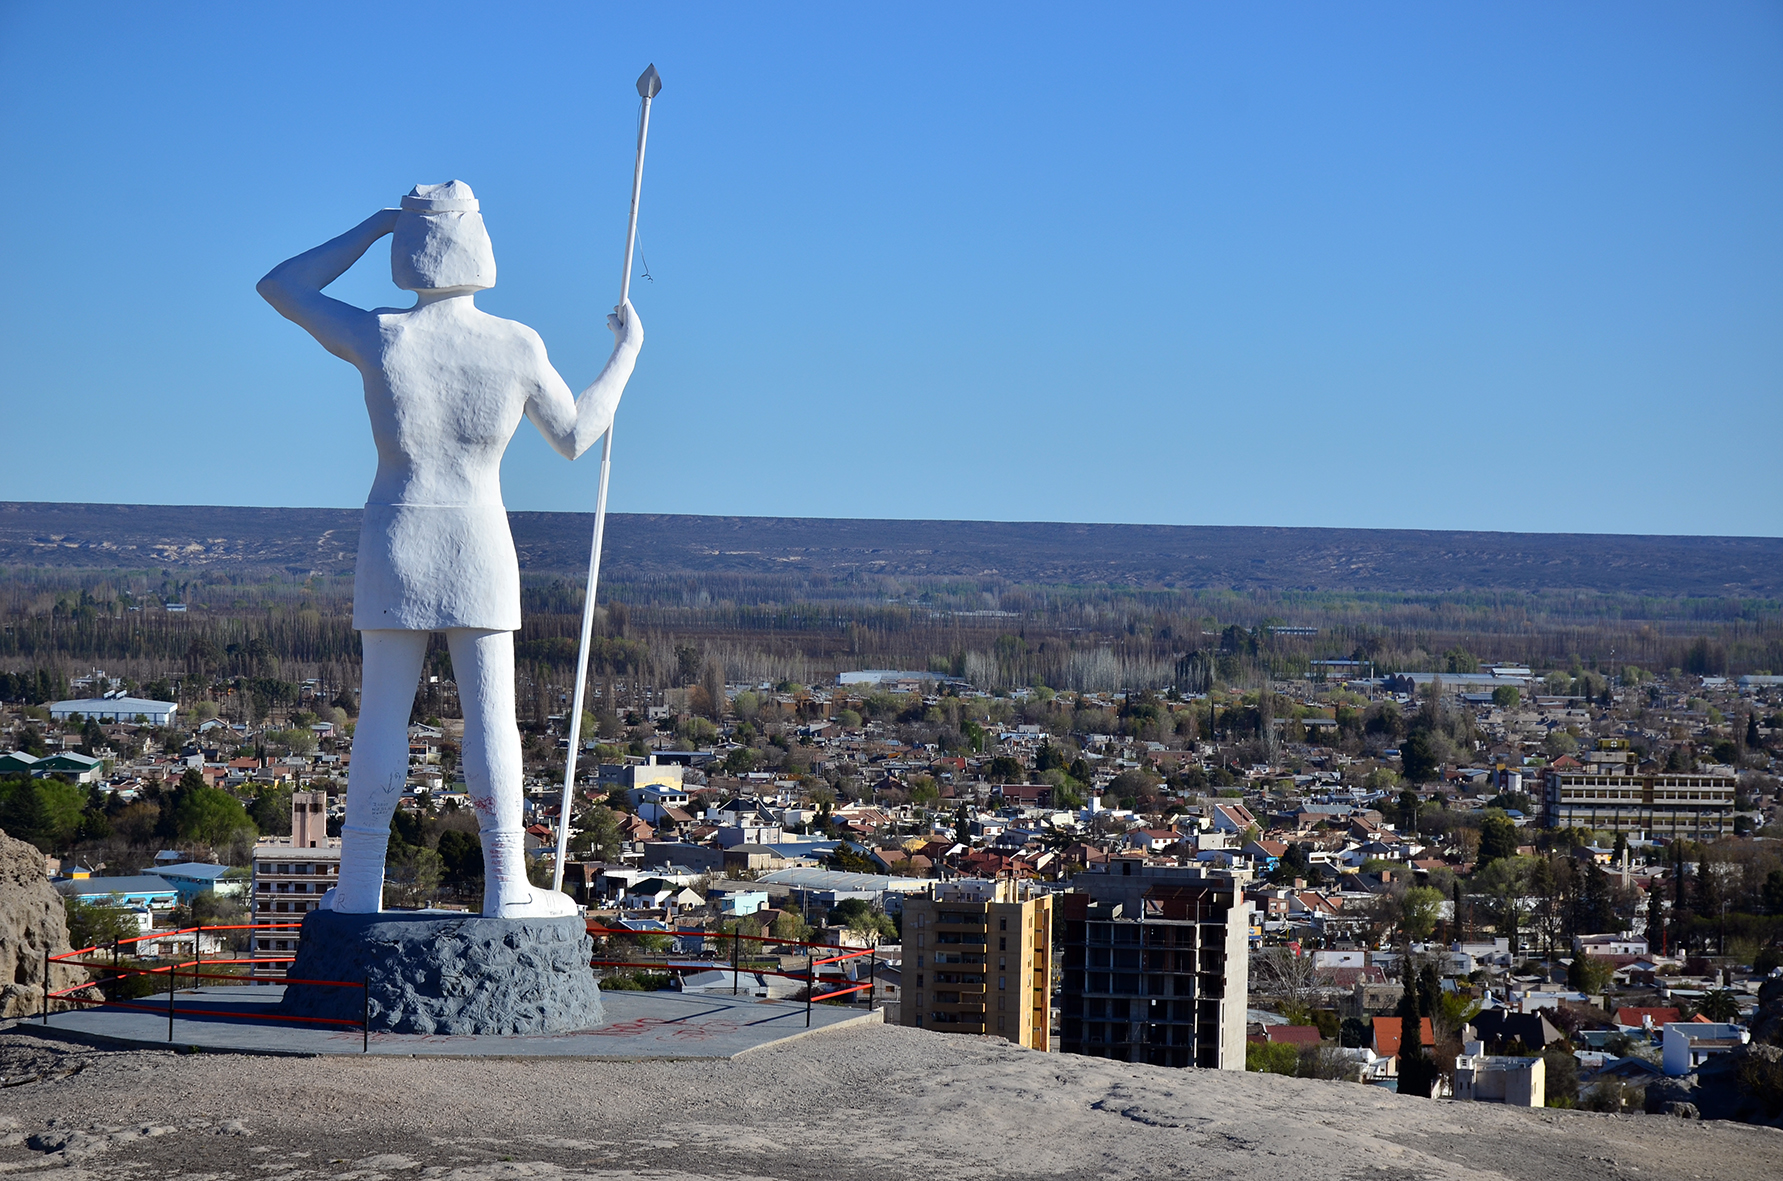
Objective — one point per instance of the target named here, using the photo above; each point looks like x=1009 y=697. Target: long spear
x=649 y=86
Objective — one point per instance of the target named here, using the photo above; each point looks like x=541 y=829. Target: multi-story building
x=1656 y=804
x=1157 y=966
x=290 y=876
x=977 y=959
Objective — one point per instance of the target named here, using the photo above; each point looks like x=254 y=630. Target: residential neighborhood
x=1570 y=886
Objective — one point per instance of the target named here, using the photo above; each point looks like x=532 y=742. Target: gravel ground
x=863 y=1101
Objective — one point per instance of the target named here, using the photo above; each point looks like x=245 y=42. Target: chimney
x=309 y=819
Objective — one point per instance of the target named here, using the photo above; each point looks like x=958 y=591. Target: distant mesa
x=298 y=542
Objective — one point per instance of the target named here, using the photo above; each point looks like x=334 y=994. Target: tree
x=1558 y=743
x=1408 y=810
x=1272 y=1058
x=599 y=835
x=1419 y=909
x=791 y=926
x=1773 y=892
x=208 y=815
x=46 y=812
x=271 y=811
x=461 y=859
x=93 y=925
x=1588 y=974
x=1720 y=1005
x=1290 y=979
x=1417 y=1072
x=1419 y=756
x=1498 y=838
x=1506 y=697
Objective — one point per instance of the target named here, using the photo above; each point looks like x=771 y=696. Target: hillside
x=300 y=541
x=876 y=1101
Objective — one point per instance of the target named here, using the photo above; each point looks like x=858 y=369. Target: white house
x=1513 y=1081
x=1688 y=1044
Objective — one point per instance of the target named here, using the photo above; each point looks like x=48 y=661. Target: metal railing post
x=810 y=983
x=365 y=1019
x=46 y=984
x=198 y=957
x=170 y=968
x=873 y=976
x=736 y=957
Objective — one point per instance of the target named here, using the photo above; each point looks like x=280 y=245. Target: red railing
x=174 y=970
x=193 y=969
x=809 y=976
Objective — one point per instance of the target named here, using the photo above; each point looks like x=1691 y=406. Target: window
x=1002 y=943
x=1002 y=924
x=1000 y=984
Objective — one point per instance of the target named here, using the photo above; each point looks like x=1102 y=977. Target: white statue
x=446 y=386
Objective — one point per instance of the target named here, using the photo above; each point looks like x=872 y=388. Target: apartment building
x=1659 y=804
x=290 y=876
x=977 y=960
x=1157 y=966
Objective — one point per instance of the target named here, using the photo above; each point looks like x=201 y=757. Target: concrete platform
x=638 y=1026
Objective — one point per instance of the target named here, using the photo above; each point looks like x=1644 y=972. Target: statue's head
x=440 y=242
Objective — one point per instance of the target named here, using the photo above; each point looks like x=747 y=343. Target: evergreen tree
x=1416 y=1070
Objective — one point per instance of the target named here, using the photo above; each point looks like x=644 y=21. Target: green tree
x=1419 y=909
x=1558 y=743
x=208 y=815
x=1272 y=1058
x=1498 y=838
x=1588 y=974
x=1720 y=1005
x=461 y=859
x=271 y=811
x=599 y=836
x=93 y=925
x=791 y=926
x=1419 y=755
x=46 y=812
x=1417 y=1072
x=1507 y=697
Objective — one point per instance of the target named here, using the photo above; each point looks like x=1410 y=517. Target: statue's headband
x=452 y=197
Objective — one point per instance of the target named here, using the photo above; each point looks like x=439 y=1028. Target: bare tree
x=1279 y=974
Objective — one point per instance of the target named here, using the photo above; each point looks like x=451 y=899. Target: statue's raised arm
x=573 y=424
x=294 y=287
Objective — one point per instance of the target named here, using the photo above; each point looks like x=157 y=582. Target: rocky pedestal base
x=446 y=974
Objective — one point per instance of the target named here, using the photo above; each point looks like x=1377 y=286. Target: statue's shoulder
x=516 y=335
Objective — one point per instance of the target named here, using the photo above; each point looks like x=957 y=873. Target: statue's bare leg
x=380 y=767
x=483 y=666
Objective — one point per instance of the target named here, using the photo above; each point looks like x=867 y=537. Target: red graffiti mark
x=630 y=1028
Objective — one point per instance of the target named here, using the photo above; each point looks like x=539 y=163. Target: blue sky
x=1488 y=266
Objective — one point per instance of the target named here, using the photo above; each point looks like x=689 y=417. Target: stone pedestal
x=437 y=973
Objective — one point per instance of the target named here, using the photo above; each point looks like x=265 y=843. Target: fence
x=812 y=963
x=193 y=969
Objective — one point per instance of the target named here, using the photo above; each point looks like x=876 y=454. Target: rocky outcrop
x=1745 y=1085
x=32 y=918
x=432 y=973
x=1767 y=1022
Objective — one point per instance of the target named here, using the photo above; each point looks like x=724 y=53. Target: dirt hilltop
x=866 y=1101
